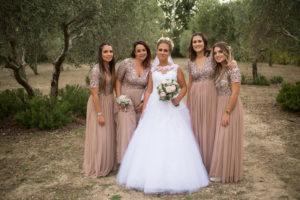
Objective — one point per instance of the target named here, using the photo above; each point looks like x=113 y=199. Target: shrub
x=12 y=101
x=45 y=113
x=289 y=96
x=276 y=79
x=261 y=80
x=77 y=96
x=244 y=79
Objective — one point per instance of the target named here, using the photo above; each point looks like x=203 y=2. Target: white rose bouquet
x=168 y=89
x=124 y=101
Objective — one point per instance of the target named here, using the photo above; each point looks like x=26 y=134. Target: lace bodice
x=205 y=73
x=224 y=85
x=94 y=77
x=160 y=74
x=130 y=79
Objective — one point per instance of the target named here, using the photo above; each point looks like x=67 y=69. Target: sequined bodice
x=130 y=79
x=95 y=77
x=223 y=85
x=205 y=73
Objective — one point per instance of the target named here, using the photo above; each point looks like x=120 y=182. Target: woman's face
x=107 y=53
x=198 y=43
x=140 y=52
x=163 y=52
x=219 y=55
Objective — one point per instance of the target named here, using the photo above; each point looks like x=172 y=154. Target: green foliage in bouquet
x=289 y=96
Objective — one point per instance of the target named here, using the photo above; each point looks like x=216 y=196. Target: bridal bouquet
x=168 y=89
x=124 y=100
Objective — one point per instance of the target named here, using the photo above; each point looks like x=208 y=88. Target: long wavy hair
x=147 y=62
x=227 y=52
x=192 y=52
x=112 y=63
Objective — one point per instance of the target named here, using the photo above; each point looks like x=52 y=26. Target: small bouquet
x=168 y=89
x=124 y=101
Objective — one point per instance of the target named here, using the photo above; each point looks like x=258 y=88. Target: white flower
x=162 y=94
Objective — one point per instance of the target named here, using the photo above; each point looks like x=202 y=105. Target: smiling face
x=219 y=55
x=107 y=53
x=140 y=52
x=163 y=52
x=198 y=43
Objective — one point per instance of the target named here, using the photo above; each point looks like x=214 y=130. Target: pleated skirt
x=202 y=103
x=127 y=121
x=100 y=141
x=227 y=154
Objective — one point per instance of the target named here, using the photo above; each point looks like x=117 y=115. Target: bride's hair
x=167 y=41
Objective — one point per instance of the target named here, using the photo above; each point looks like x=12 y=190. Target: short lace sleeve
x=122 y=69
x=235 y=75
x=94 y=77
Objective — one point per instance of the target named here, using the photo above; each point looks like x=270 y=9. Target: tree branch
x=287 y=33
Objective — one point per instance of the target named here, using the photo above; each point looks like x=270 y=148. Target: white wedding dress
x=163 y=155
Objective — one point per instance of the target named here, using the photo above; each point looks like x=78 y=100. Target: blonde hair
x=167 y=41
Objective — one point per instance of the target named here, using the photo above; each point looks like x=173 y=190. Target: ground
x=38 y=164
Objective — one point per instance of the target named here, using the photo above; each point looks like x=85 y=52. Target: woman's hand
x=176 y=101
x=139 y=107
x=225 y=119
x=101 y=120
x=232 y=64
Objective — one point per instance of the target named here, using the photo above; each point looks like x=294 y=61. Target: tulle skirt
x=99 y=150
x=202 y=104
x=163 y=155
x=227 y=155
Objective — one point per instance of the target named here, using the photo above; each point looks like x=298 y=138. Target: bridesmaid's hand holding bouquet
x=168 y=89
x=124 y=101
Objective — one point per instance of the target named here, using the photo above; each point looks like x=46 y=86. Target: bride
x=163 y=156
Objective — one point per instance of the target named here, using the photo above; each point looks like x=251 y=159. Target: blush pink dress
x=99 y=151
x=134 y=87
x=227 y=154
x=202 y=102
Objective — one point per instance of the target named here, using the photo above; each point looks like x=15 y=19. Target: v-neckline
x=136 y=71
x=198 y=67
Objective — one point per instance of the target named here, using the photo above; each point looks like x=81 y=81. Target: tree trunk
x=19 y=76
x=254 y=68
x=33 y=65
x=59 y=61
x=270 y=59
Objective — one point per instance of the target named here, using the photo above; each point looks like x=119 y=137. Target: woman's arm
x=235 y=87
x=148 y=92
x=189 y=89
x=96 y=100
x=182 y=83
x=118 y=86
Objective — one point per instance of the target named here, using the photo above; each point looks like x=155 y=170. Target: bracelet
x=227 y=111
x=99 y=114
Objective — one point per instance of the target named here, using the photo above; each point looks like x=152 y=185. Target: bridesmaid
x=226 y=165
x=132 y=78
x=202 y=96
x=99 y=151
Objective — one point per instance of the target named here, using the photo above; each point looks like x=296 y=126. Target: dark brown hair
x=147 y=62
x=112 y=63
x=192 y=52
